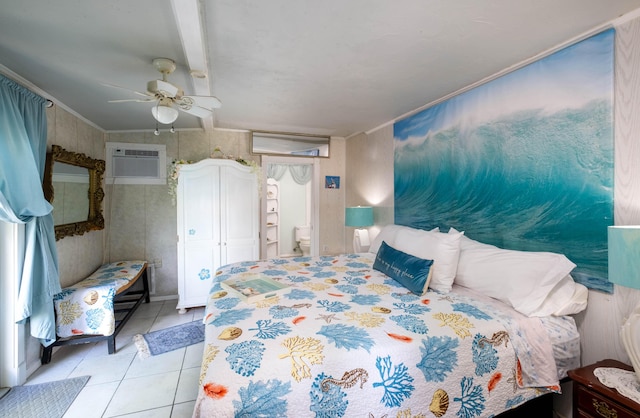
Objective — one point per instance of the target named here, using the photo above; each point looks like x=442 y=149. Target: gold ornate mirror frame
x=95 y=219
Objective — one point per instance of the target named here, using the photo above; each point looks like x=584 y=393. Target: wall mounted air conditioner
x=136 y=163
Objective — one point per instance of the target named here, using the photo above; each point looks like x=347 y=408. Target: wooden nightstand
x=592 y=399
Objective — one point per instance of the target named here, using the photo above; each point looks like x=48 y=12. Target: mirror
x=298 y=145
x=73 y=185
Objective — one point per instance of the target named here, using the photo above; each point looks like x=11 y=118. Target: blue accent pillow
x=412 y=272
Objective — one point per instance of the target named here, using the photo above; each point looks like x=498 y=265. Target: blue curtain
x=23 y=147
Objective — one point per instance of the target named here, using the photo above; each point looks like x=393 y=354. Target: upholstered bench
x=96 y=308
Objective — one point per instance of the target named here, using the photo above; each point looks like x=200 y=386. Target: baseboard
x=33 y=366
x=163 y=298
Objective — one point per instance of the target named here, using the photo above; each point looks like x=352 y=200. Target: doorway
x=290 y=191
x=13 y=368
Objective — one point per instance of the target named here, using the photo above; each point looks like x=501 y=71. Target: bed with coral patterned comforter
x=347 y=340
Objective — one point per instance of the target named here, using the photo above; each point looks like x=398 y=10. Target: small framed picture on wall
x=332 y=182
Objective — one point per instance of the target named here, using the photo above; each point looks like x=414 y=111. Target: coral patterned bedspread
x=86 y=308
x=348 y=341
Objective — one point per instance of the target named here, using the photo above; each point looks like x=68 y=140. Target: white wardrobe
x=218 y=223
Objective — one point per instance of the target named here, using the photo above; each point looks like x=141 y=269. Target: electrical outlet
x=157 y=263
x=325 y=248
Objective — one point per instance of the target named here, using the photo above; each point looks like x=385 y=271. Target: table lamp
x=624 y=270
x=358 y=217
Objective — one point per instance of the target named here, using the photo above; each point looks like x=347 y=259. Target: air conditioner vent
x=140 y=153
x=136 y=163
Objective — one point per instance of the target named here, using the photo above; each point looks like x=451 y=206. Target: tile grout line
x=117 y=387
x=155 y=318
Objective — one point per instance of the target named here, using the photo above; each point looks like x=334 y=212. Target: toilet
x=303 y=238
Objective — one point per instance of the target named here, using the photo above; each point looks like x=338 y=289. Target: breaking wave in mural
x=530 y=180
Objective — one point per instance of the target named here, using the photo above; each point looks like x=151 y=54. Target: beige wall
x=600 y=324
x=369 y=177
x=332 y=200
x=370 y=160
x=80 y=255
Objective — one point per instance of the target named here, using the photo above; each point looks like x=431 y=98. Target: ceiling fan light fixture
x=164 y=114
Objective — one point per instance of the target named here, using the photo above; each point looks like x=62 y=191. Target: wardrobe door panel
x=201 y=262
x=201 y=206
x=240 y=217
x=199 y=241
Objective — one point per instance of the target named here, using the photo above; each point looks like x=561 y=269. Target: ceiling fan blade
x=200 y=106
x=198 y=111
x=164 y=88
x=208 y=102
x=126 y=89
x=150 y=99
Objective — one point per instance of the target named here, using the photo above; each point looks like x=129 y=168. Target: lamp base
x=630 y=336
x=361 y=241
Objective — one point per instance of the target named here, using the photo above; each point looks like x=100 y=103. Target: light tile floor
x=122 y=384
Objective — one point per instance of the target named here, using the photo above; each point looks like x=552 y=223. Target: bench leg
x=145 y=284
x=111 y=344
x=46 y=354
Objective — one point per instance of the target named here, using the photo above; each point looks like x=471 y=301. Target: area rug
x=169 y=339
x=44 y=400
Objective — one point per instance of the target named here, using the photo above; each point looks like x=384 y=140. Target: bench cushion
x=86 y=308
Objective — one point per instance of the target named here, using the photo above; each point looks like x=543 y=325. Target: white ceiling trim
x=188 y=17
x=626 y=17
x=37 y=90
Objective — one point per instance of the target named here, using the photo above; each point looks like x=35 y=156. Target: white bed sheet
x=565 y=340
x=562 y=334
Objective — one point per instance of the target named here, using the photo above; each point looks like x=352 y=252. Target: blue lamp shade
x=624 y=255
x=359 y=216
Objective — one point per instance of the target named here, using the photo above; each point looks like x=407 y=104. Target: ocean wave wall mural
x=523 y=162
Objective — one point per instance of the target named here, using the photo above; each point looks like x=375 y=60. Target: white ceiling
x=332 y=67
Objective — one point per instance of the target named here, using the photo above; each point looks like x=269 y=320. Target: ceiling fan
x=168 y=96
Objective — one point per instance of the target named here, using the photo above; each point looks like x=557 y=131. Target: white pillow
x=388 y=234
x=467 y=243
x=558 y=297
x=443 y=249
x=522 y=279
x=576 y=304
